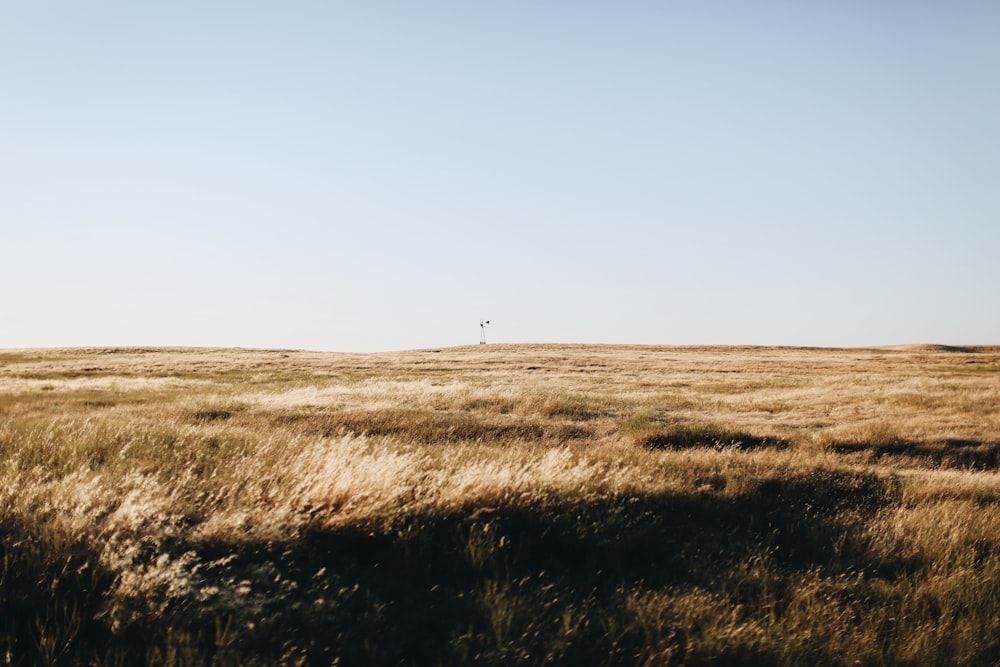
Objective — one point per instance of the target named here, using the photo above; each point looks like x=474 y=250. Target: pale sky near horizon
x=382 y=175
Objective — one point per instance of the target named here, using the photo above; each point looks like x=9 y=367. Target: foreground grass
x=500 y=505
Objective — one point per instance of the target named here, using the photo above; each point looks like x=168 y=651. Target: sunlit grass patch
x=105 y=383
x=576 y=406
x=426 y=426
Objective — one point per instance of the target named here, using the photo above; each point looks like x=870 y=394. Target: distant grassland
x=535 y=504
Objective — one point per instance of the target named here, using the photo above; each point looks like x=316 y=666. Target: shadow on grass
x=687 y=436
x=51 y=595
x=526 y=585
x=952 y=453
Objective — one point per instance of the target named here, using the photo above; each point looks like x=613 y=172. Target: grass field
x=535 y=504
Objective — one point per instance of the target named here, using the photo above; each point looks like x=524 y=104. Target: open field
x=534 y=504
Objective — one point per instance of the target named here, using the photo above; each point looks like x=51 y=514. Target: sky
x=368 y=176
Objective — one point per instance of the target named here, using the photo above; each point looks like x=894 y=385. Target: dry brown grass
x=609 y=504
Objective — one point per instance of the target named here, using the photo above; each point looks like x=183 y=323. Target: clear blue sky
x=382 y=175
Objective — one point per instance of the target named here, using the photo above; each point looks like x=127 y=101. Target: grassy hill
x=529 y=504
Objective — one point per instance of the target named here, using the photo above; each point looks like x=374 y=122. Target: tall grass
x=514 y=505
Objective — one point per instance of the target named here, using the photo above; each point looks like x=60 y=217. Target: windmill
x=482 y=331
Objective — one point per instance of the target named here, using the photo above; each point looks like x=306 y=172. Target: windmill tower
x=482 y=331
